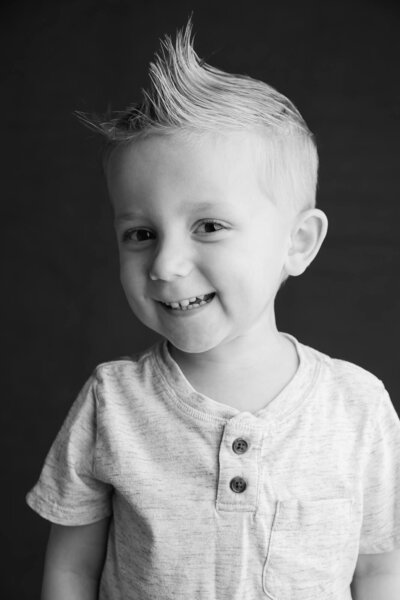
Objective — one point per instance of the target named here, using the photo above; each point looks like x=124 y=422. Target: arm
x=377 y=577
x=74 y=560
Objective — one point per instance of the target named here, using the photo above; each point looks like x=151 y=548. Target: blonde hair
x=188 y=95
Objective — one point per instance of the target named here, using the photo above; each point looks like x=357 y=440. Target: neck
x=253 y=352
x=240 y=373
x=241 y=351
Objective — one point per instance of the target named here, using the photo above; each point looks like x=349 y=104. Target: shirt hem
x=386 y=545
x=61 y=516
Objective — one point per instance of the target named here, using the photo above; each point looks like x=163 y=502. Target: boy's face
x=192 y=219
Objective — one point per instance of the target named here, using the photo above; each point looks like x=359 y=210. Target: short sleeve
x=68 y=491
x=381 y=507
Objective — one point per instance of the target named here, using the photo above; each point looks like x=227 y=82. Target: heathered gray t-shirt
x=211 y=503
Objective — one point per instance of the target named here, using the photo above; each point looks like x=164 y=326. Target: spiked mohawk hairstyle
x=188 y=95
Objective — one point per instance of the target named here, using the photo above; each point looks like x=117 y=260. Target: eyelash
x=213 y=222
x=126 y=235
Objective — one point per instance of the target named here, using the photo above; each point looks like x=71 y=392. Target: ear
x=308 y=233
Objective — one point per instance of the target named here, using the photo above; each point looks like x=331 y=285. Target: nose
x=171 y=260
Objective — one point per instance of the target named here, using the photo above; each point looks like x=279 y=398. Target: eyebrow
x=206 y=205
x=127 y=216
x=213 y=205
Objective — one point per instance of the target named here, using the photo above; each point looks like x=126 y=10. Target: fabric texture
x=321 y=473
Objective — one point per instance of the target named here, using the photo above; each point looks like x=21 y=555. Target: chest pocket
x=312 y=552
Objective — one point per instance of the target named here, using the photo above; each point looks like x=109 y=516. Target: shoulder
x=126 y=374
x=346 y=380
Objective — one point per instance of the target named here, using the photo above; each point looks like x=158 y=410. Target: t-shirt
x=209 y=502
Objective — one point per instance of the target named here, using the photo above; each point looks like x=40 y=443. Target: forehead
x=191 y=167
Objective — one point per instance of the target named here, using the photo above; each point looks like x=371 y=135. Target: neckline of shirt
x=289 y=400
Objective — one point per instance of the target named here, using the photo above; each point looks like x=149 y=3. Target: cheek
x=271 y=251
x=125 y=273
x=253 y=274
x=131 y=276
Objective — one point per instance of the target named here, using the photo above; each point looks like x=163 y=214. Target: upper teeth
x=186 y=302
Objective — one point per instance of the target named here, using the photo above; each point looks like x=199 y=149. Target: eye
x=137 y=235
x=210 y=226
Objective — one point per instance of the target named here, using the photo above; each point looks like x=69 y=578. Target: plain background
x=65 y=312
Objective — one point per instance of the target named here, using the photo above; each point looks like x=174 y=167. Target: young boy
x=228 y=461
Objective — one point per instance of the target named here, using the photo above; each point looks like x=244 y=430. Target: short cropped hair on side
x=189 y=96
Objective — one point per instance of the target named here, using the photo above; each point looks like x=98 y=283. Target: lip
x=181 y=313
x=163 y=300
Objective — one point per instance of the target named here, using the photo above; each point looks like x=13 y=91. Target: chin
x=191 y=346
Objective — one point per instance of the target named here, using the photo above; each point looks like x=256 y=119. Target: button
x=240 y=446
x=238 y=485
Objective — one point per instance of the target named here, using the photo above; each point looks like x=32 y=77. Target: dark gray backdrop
x=337 y=60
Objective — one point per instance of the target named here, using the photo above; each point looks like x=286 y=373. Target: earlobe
x=308 y=233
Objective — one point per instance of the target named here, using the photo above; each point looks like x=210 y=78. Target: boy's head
x=213 y=183
x=187 y=95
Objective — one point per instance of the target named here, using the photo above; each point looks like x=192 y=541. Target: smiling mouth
x=190 y=303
